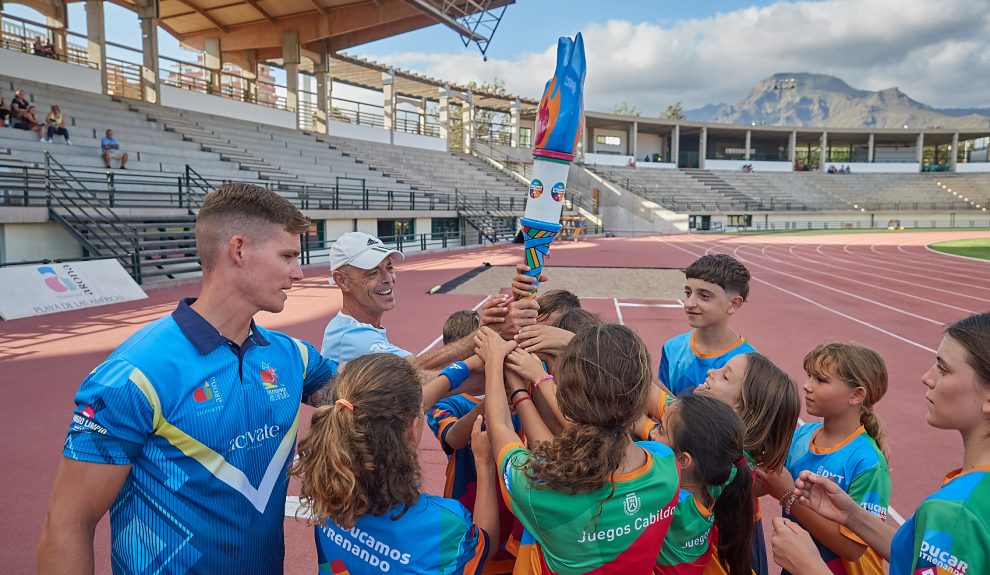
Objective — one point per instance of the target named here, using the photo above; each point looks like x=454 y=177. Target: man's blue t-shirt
x=682 y=368
x=109 y=142
x=345 y=338
x=209 y=429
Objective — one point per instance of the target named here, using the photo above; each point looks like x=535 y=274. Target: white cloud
x=937 y=54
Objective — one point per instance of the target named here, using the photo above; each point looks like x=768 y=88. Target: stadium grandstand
x=435 y=164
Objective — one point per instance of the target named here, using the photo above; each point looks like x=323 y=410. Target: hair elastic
x=544 y=377
x=345 y=403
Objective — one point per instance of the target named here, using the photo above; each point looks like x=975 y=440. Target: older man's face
x=372 y=289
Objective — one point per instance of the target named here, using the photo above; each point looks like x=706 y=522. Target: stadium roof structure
x=323 y=25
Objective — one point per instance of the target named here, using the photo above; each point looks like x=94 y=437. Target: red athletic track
x=886 y=291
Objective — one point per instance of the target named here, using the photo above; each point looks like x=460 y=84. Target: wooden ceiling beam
x=264 y=13
x=216 y=23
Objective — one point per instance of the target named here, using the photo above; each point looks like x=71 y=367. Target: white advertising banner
x=40 y=289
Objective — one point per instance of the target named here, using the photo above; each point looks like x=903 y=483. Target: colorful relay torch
x=558 y=127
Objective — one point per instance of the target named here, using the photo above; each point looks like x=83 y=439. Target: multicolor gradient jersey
x=949 y=534
x=686 y=549
x=602 y=532
x=856 y=465
x=682 y=367
x=208 y=428
x=435 y=535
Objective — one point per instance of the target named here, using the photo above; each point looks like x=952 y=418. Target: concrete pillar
x=823 y=153
x=213 y=62
x=250 y=71
x=514 y=122
x=150 y=84
x=702 y=147
x=632 y=148
x=749 y=140
x=675 y=145
x=792 y=148
x=389 y=103
x=291 y=56
x=96 y=39
x=585 y=139
x=60 y=25
x=443 y=112
x=954 y=152
x=421 y=116
x=870 y=147
x=323 y=103
x=919 y=153
x=467 y=120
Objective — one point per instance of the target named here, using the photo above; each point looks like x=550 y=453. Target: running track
x=886 y=291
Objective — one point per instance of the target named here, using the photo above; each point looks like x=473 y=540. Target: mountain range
x=823 y=100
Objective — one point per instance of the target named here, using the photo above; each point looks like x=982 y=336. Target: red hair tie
x=345 y=403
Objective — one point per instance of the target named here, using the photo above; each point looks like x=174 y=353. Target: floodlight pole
x=780 y=86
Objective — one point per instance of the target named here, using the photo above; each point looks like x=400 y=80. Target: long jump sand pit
x=622 y=283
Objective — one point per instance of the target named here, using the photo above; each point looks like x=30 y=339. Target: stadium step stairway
x=718 y=185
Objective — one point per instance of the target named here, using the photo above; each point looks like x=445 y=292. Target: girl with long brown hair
x=361 y=480
x=590 y=498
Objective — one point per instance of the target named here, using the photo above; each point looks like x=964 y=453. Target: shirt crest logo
x=631 y=504
x=269 y=380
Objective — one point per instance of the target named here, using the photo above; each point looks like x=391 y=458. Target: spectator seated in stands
x=29 y=121
x=37 y=47
x=18 y=106
x=4 y=110
x=56 y=125
x=631 y=163
x=111 y=151
x=48 y=50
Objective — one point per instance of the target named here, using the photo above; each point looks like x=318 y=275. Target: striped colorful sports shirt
x=462 y=479
x=606 y=531
x=435 y=535
x=208 y=429
x=686 y=549
x=682 y=367
x=856 y=465
x=949 y=534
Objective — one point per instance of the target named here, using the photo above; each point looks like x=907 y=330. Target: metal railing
x=318 y=250
x=360 y=113
x=18 y=34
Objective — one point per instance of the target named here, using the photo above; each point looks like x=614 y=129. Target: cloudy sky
x=653 y=53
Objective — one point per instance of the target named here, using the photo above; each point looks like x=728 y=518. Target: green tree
x=490 y=125
x=673 y=112
x=625 y=109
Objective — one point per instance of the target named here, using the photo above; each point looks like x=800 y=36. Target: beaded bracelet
x=787 y=501
x=544 y=377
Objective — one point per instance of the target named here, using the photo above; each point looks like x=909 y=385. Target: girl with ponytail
x=707 y=438
x=845 y=382
x=590 y=498
x=360 y=481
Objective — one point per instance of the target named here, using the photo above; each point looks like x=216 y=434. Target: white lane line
x=618 y=311
x=440 y=338
x=673 y=305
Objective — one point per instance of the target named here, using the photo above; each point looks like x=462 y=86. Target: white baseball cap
x=360 y=250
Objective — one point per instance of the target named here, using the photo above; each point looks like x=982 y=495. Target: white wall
x=27 y=242
x=207 y=104
x=380 y=135
x=880 y=167
x=647 y=144
x=623 y=136
x=38 y=69
x=758 y=166
x=607 y=159
x=656 y=165
x=972 y=167
x=420 y=141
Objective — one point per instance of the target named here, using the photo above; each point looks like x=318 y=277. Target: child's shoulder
x=803 y=433
x=444 y=508
x=679 y=342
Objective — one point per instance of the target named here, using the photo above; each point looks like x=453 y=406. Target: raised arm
x=486 y=498
x=493 y=350
x=81 y=496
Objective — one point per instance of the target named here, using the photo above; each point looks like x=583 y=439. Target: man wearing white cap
x=362 y=267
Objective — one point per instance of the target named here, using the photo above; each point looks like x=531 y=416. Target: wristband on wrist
x=544 y=377
x=513 y=394
x=515 y=404
x=787 y=501
x=457 y=373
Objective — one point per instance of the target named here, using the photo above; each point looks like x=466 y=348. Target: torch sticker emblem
x=557 y=192
x=535 y=189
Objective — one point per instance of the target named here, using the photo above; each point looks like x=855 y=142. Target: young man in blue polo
x=185 y=432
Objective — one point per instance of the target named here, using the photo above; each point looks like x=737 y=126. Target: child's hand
x=495 y=310
x=545 y=338
x=514 y=381
x=491 y=347
x=525 y=364
x=777 y=484
x=480 y=446
x=522 y=284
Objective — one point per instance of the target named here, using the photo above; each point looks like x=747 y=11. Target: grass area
x=852 y=231
x=974 y=248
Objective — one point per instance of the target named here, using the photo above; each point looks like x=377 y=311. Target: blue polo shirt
x=345 y=338
x=208 y=428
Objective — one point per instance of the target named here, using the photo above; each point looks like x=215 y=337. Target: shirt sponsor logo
x=640 y=524
x=375 y=553
x=83 y=421
x=942 y=559
x=829 y=474
x=254 y=438
x=208 y=397
x=631 y=504
x=269 y=380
